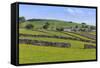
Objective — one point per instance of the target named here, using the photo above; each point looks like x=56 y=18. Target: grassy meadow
x=29 y=53
x=39 y=54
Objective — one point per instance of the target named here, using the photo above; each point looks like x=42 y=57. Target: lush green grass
x=57 y=33
x=94 y=33
x=26 y=31
x=42 y=32
x=39 y=54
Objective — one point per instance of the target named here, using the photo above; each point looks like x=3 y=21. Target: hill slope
x=38 y=23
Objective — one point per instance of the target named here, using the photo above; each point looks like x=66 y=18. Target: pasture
x=37 y=54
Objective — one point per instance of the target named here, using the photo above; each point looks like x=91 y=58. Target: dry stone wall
x=89 y=46
x=44 y=43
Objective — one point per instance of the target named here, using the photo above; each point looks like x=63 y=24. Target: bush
x=29 y=26
x=46 y=25
x=59 y=29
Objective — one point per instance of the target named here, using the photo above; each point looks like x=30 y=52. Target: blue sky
x=79 y=15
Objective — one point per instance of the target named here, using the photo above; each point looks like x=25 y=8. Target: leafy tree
x=29 y=26
x=70 y=22
x=46 y=25
x=59 y=29
x=83 y=23
x=76 y=26
x=22 y=19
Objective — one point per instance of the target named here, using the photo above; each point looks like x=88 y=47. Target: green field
x=29 y=53
x=39 y=54
x=43 y=32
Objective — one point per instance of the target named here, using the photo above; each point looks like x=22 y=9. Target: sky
x=78 y=15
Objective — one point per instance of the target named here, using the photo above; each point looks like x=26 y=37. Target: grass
x=26 y=31
x=57 y=33
x=94 y=33
x=43 y=32
x=39 y=54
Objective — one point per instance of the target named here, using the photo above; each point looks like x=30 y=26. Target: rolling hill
x=38 y=23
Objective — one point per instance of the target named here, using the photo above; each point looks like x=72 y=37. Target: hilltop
x=38 y=23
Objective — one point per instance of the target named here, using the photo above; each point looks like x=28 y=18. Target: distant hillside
x=38 y=23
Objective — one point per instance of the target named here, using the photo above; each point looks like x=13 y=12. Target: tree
x=70 y=22
x=76 y=26
x=29 y=26
x=46 y=25
x=22 y=19
x=83 y=25
x=59 y=29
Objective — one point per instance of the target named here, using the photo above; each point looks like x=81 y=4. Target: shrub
x=59 y=29
x=29 y=26
x=46 y=26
